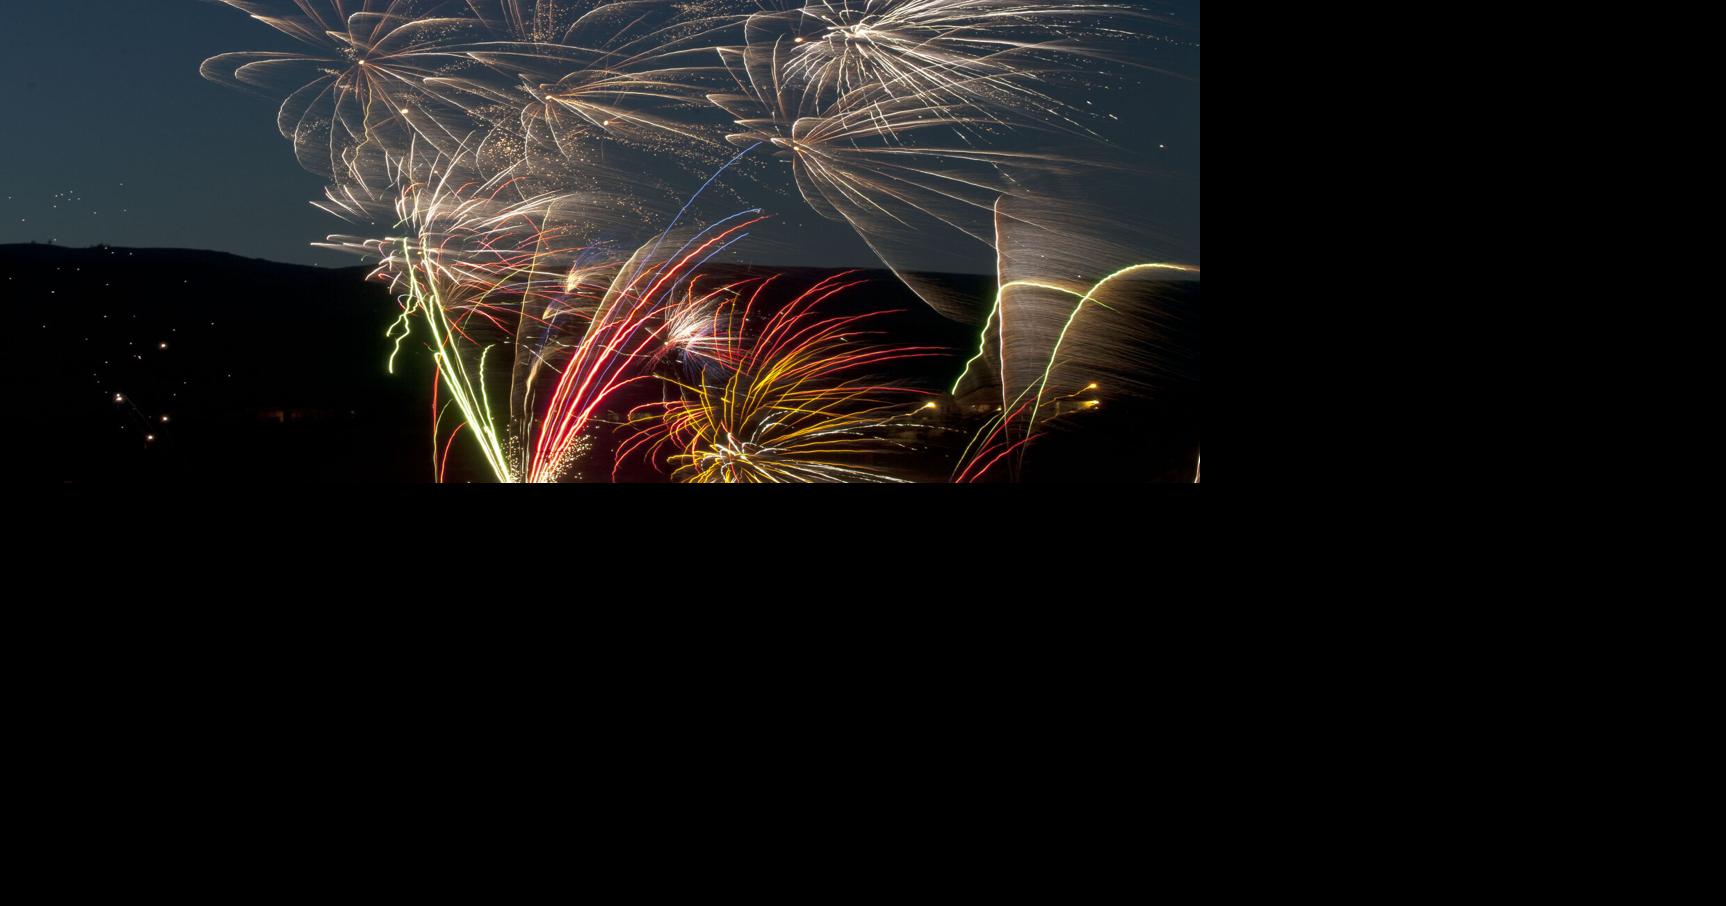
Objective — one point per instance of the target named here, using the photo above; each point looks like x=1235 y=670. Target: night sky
x=113 y=137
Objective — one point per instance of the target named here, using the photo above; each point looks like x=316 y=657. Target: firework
x=1070 y=317
x=502 y=283
x=868 y=168
x=797 y=408
x=363 y=79
x=990 y=56
x=519 y=170
x=892 y=115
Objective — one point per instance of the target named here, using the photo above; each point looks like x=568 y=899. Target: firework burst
x=521 y=169
x=990 y=56
x=363 y=79
x=798 y=407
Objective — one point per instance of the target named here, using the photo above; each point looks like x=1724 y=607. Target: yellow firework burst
x=798 y=408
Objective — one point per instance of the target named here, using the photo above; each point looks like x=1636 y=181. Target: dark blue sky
x=112 y=136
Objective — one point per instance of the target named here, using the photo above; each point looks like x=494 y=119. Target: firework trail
x=891 y=113
x=513 y=166
x=362 y=79
x=798 y=407
x=1073 y=315
x=629 y=331
x=503 y=283
x=988 y=56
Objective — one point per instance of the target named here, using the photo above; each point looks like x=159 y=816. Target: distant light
x=931 y=406
x=119 y=398
x=151 y=438
x=162 y=346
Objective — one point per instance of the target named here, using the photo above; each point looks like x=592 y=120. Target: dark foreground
x=152 y=365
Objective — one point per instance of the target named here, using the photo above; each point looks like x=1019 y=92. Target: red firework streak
x=788 y=406
x=621 y=335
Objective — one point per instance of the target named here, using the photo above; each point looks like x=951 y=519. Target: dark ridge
x=46 y=252
x=276 y=373
x=272 y=372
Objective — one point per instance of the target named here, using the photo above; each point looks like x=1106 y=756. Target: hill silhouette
x=167 y=364
x=145 y=365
